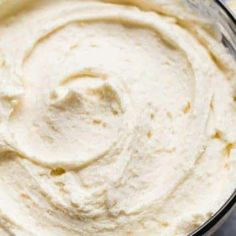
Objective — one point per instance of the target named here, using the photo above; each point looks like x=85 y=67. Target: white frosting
x=232 y=4
x=115 y=119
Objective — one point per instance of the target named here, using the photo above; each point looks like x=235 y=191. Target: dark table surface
x=229 y=227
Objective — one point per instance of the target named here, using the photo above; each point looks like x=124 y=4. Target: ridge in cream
x=116 y=118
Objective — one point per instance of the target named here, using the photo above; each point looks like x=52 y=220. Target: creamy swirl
x=116 y=118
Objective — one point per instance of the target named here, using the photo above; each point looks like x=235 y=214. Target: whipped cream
x=116 y=118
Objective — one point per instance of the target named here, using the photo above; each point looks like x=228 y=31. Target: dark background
x=229 y=227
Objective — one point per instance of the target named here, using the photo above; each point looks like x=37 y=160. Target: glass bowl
x=218 y=12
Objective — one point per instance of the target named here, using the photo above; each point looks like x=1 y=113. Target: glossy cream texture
x=116 y=118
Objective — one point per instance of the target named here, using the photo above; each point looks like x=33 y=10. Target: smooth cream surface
x=116 y=118
x=232 y=4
